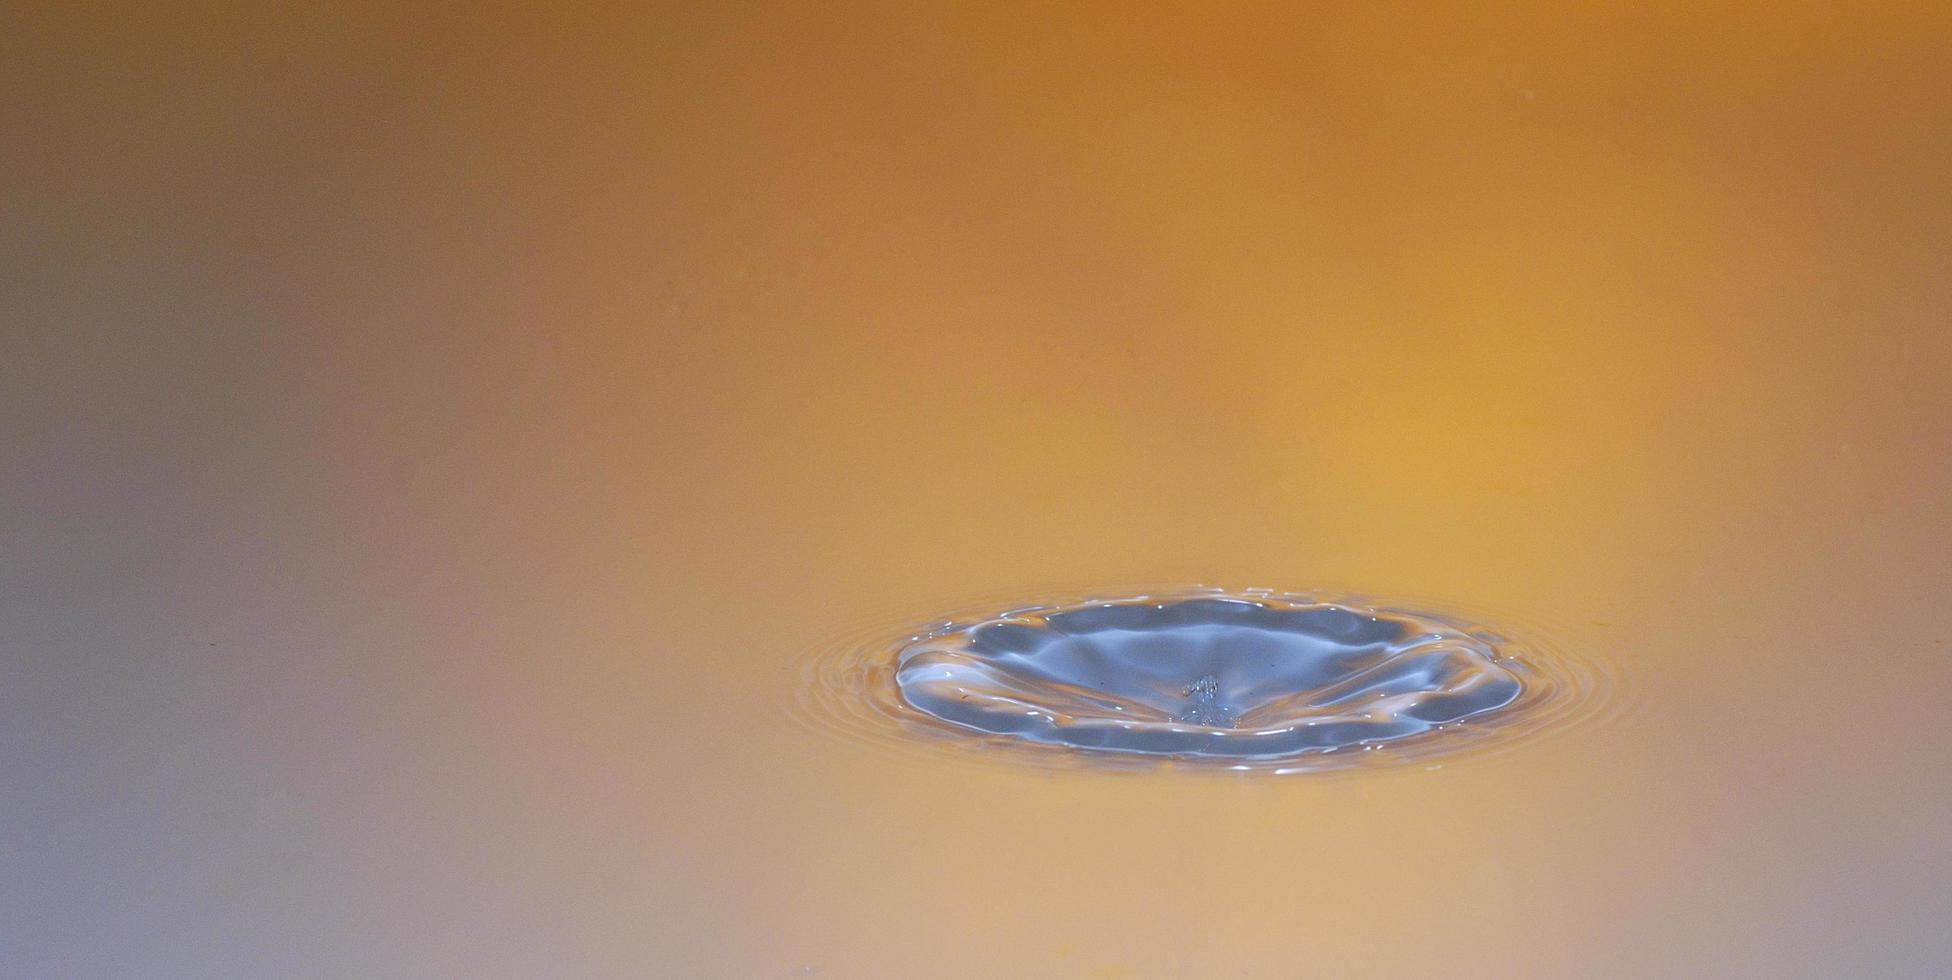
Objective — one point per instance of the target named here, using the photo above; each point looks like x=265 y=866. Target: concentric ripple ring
x=1219 y=676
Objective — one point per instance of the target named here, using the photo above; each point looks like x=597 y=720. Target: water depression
x=1216 y=676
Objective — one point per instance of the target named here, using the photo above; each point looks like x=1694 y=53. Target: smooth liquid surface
x=436 y=437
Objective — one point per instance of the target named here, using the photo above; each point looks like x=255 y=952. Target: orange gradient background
x=437 y=434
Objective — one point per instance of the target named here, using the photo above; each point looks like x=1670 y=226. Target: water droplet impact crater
x=1219 y=676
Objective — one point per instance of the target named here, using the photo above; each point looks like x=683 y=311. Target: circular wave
x=1249 y=680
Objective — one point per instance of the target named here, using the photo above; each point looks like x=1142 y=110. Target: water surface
x=433 y=435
